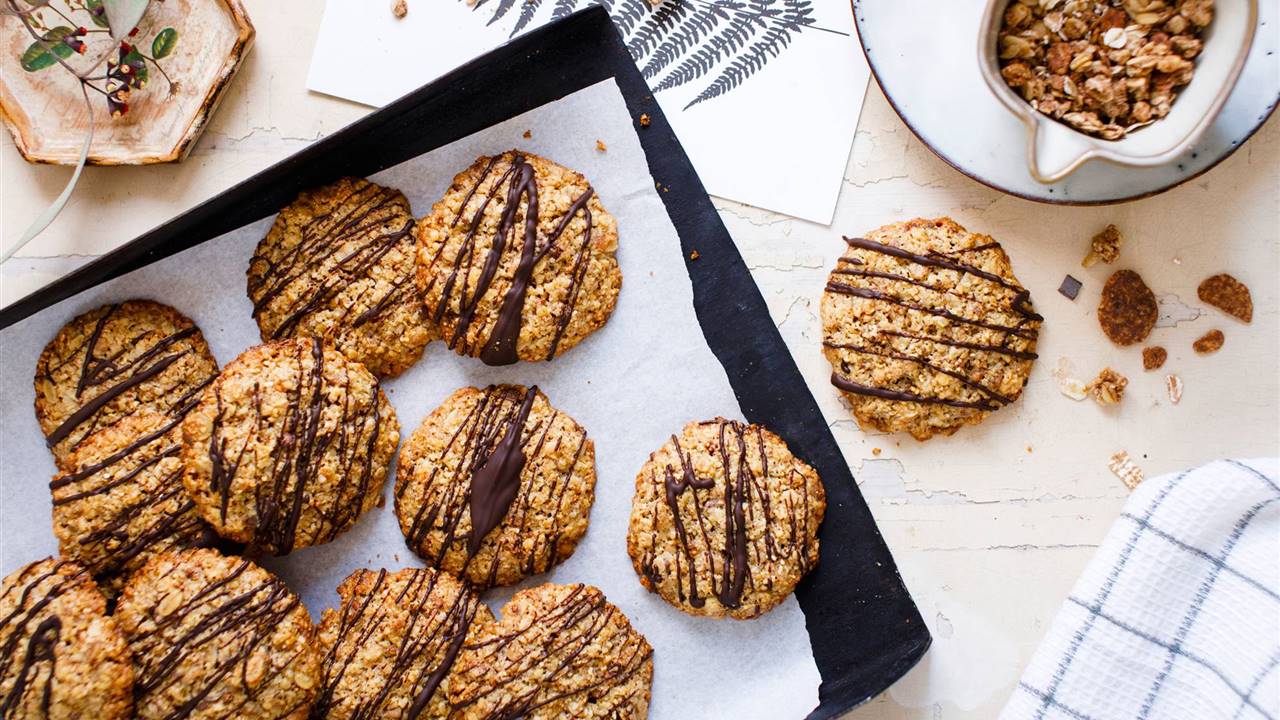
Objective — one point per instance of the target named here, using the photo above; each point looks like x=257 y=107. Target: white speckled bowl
x=1054 y=149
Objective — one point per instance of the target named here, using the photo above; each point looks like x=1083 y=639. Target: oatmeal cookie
x=217 y=637
x=725 y=520
x=926 y=328
x=339 y=263
x=61 y=656
x=388 y=649
x=130 y=358
x=289 y=446
x=496 y=485
x=121 y=499
x=516 y=262
x=559 y=651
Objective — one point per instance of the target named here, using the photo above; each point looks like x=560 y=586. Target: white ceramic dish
x=1054 y=149
x=922 y=54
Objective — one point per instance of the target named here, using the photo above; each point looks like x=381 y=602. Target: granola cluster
x=1104 y=67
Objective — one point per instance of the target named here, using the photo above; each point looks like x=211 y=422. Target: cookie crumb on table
x=1105 y=246
x=1174 y=384
x=1228 y=295
x=1108 y=387
x=1128 y=309
x=1210 y=342
x=1153 y=357
x=1124 y=468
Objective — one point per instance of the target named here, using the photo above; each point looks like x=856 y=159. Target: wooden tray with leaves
x=151 y=86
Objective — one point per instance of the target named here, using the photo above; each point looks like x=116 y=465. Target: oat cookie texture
x=217 y=637
x=558 y=651
x=339 y=263
x=129 y=358
x=61 y=656
x=725 y=519
x=289 y=446
x=121 y=499
x=389 y=647
x=926 y=327
x=496 y=485
x=517 y=260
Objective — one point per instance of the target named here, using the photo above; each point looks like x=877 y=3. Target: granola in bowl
x=1103 y=67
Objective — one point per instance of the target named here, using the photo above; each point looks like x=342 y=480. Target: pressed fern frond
x=768 y=46
x=696 y=28
x=665 y=18
x=728 y=40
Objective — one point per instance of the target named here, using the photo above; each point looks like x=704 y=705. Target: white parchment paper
x=632 y=384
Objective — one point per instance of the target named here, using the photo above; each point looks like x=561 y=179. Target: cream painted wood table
x=990 y=526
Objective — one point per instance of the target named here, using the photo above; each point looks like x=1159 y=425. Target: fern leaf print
x=678 y=42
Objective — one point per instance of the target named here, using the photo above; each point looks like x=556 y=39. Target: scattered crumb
x=399 y=8
x=1105 y=247
x=1125 y=469
x=1228 y=295
x=528 y=134
x=1177 y=260
x=1028 y=449
x=875 y=452
x=382 y=502
x=1070 y=386
x=1069 y=288
x=396 y=556
x=601 y=146
x=644 y=120
x=694 y=255
x=1174 y=384
x=1210 y=342
x=1108 y=387
x=1128 y=308
x=1154 y=357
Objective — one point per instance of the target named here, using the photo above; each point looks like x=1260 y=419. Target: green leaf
x=97 y=13
x=38 y=55
x=164 y=42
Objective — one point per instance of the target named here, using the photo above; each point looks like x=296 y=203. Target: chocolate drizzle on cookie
x=333 y=250
x=463 y=296
x=559 y=657
x=480 y=475
x=215 y=625
x=140 y=358
x=436 y=618
x=283 y=491
x=31 y=635
x=731 y=498
x=162 y=515
x=1017 y=340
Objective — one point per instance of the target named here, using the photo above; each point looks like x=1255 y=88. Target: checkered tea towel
x=1178 y=615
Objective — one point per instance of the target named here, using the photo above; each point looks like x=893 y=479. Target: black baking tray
x=865 y=630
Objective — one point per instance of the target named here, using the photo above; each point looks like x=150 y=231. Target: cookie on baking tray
x=725 y=520
x=121 y=500
x=516 y=262
x=559 y=651
x=114 y=361
x=217 y=637
x=61 y=656
x=495 y=485
x=289 y=446
x=388 y=648
x=339 y=263
x=926 y=328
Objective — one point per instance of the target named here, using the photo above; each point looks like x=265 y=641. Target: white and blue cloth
x=1178 y=615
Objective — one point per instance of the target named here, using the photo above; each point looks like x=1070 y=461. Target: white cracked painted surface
x=991 y=526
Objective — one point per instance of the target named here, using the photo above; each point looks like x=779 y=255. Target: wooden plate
x=45 y=112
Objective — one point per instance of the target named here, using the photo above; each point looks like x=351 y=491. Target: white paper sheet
x=779 y=139
x=633 y=383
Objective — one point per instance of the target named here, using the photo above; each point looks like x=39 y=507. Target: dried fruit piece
x=1123 y=467
x=1210 y=342
x=1128 y=309
x=1174 y=385
x=1069 y=288
x=1154 y=357
x=1108 y=387
x=1105 y=246
x=1228 y=295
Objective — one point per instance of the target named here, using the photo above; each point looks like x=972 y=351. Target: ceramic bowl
x=1055 y=149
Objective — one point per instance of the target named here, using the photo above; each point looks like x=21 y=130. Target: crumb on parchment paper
x=399 y=8
x=601 y=146
x=1123 y=467
x=528 y=134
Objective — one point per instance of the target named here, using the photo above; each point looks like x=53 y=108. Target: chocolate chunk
x=1228 y=295
x=1128 y=309
x=1154 y=357
x=1210 y=342
x=1070 y=287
